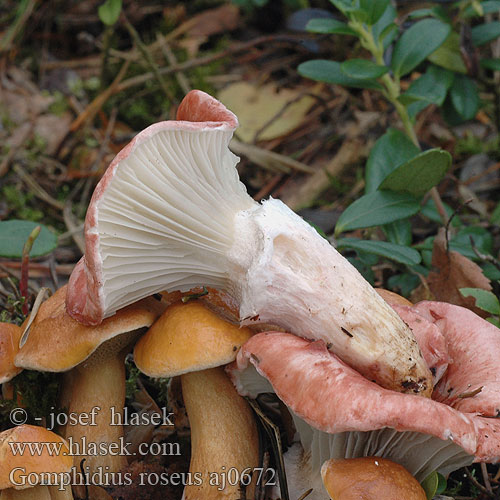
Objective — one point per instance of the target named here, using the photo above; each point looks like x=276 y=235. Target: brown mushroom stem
x=38 y=493
x=223 y=436
x=96 y=389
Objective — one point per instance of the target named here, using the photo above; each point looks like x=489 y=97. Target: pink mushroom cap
x=472 y=381
x=332 y=397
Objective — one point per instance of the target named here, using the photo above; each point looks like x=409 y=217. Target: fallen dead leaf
x=422 y=292
x=210 y=22
x=53 y=130
x=26 y=108
x=255 y=106
x=214 y=21
x=454 y=271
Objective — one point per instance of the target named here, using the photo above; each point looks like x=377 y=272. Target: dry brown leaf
x=53 y=129
x=28 y=109
x=214 y=21
x=255 y=106
x=454 y=271
x=210 y=22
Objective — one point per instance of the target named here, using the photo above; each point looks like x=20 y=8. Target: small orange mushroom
x=369 y=478
x=191 y=341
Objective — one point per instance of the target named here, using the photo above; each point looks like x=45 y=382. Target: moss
x=20 y=204
x=13 y=310
x=60 y=104
x=37 y=392
x=133 y=375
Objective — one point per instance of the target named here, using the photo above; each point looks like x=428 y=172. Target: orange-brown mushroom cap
x=188 y=337
x=9 y=346
x=57 y=342
x=45 y=460
x=369 y=478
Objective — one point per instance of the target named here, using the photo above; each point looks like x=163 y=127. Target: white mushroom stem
x=96 y=387
x=38 y=493
x=224 y=439
x=283 y=271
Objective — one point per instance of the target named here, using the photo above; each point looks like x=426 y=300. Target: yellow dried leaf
x=256 y=105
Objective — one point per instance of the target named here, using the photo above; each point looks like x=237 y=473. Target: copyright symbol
x=18 y=416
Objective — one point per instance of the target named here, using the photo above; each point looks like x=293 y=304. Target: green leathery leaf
x=390 y=151
x=417 y=43
x=430 y=88
x=329 y=71
x=485 y=33
x=399 y=253
x=448 y=55
x=373 y=9
x=488 y=7
x=14 y=233
x=377 y=208
x=362 y=69
x=419 y=174
x=329 y=26
x=485 y=300
x=399 y=232
x=464 y=97
x=109 y=11
x=493 y=64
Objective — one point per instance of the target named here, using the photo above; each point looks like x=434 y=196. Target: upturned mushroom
x=191 y=341
x=170 y=213
x=34 y=465
x=340 y=414
x=93 y=388
x=472 y=381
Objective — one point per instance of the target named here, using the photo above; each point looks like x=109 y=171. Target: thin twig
x=68 y=217
x=143 y=48
x=11 y=274
x=448 y=223
x=4 y=165
x=202 y=61
x=38 y=190
x=269 y=159
x=478 y=484
x=482 y=256
x=92 y=109
x=12 y=32
x=23 y=283
x=172 y=60
x=53 y=271
x=436 y=197
x=486 y=477
x=306 y=494
x=100 y=155
x=37 y=269
x=280 y=113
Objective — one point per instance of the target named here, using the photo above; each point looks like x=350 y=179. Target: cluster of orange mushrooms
x=381 y=393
